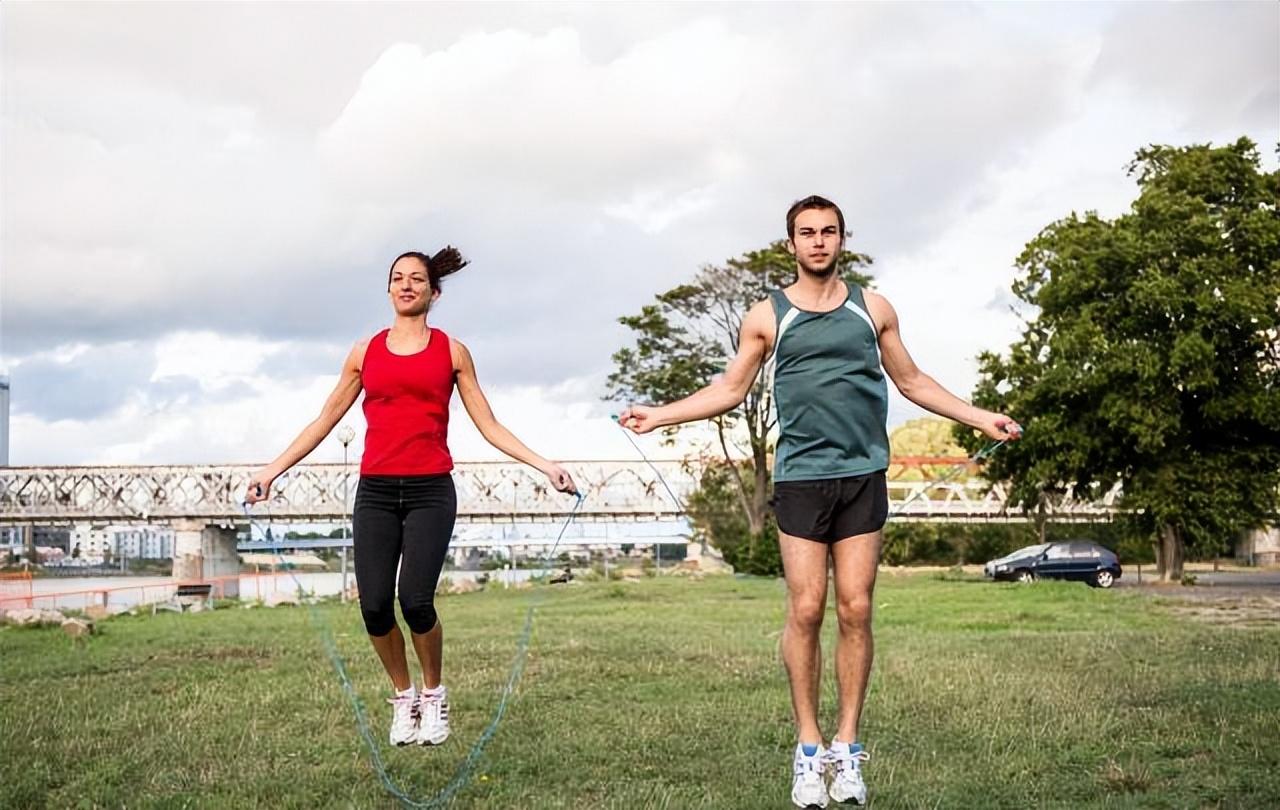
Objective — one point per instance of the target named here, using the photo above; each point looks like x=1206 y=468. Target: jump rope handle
x=257 y=490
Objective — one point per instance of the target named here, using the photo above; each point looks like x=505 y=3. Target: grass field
x=665 y=693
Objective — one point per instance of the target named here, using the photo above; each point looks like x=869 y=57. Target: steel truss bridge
x=488 y=492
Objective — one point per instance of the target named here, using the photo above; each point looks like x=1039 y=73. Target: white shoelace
x=846 y=759
x=806 y=764
x=404 y=707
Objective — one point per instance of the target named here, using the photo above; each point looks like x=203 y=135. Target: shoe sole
x=435 y=740
x=850 y=802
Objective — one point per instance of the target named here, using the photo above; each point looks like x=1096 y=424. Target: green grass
x=665 y=693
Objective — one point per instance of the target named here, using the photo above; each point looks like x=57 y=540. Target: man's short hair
x=811 y=202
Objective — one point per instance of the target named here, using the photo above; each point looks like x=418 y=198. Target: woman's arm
x=335 y=407
x=494 y=432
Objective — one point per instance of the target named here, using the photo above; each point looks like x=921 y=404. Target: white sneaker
x=433 y=711
x=807 y=786
x=846 y=784
x=404 y=718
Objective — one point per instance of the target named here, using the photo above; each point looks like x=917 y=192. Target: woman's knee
x=379 y=615
x=419 y=611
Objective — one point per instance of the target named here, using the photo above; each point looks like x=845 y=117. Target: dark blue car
x=1079 y=560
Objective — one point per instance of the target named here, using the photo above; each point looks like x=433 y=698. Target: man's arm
x=922 y=389
x=726 y=391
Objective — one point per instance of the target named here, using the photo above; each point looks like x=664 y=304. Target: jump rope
x=462 y=775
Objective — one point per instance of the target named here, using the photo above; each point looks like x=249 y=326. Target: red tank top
x=406 y=406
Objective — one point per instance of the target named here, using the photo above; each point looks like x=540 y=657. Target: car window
x=1058 y=551
x=1085 y=551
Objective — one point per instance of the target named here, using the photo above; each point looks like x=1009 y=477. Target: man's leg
x=855 y=560
x=805 y=565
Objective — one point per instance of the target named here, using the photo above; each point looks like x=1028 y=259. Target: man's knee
x=804 y=611
x=854 y=612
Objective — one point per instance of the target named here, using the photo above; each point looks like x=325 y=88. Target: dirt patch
x=1234 y=611
x=260 y=657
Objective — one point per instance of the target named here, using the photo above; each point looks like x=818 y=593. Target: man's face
x=817 y=241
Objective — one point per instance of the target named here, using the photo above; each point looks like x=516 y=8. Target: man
x=831 y=346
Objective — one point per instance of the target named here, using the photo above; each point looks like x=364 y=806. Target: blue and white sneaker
x=808 y=789
x=847 y=785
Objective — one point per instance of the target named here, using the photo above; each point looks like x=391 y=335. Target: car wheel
x=1025 y=575
x=1104 y=579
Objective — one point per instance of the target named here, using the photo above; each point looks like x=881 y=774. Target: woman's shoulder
x=361 y=347
x=458 y=353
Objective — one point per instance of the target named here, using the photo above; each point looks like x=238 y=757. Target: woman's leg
x=428 y=527
x=377 y=541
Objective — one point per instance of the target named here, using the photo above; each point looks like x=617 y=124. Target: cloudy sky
x=200 y=201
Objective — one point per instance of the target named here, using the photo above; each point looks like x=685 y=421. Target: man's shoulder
x=763 y=311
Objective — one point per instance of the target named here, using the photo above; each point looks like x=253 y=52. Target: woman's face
x=410 y=289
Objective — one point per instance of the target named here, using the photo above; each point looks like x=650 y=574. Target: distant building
x=96 y=543
x=52 y=537
x=144 y=542
x=1259 y=547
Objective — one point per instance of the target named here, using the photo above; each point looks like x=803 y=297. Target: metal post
x=345 y=435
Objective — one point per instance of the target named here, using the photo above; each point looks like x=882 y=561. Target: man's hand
x=639 y=418
x=999 y=427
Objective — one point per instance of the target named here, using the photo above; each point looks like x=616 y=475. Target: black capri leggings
x=405 y=521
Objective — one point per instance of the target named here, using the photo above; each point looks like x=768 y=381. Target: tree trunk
x=1169 y=551
x=747 y=497
x=760 y=503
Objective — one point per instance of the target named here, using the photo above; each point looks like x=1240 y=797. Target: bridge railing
x=613 y=490
x=487 y=492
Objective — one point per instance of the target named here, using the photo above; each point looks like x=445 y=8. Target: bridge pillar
x=203 y=551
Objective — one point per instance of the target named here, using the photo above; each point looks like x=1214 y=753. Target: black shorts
x=831 y=509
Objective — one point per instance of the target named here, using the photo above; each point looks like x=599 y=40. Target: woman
x=405 y=503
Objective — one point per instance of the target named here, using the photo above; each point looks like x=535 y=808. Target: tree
x=927 y=437
x=691 y=332
x=715 y=512
x=1153 y=358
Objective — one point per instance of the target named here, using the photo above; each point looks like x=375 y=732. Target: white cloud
x=213 y=360
x=225 y=213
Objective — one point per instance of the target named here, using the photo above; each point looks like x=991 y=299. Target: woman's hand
x=560 y=479
x=259 y=487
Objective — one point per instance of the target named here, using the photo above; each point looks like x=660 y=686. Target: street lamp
x=345 y=434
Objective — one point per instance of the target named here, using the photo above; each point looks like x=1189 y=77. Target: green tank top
x=829 y=391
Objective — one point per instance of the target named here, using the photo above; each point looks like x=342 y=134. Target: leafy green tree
x=1153 y=357
x=691 y=332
